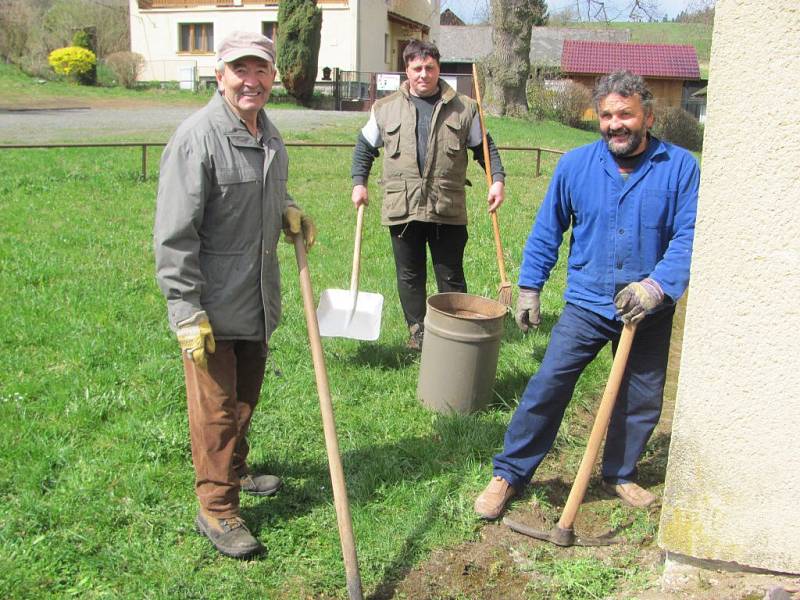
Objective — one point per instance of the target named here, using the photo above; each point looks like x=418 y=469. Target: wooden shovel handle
x=498 y=245
x=599 y=428
x=329 y=428
x=357 y=250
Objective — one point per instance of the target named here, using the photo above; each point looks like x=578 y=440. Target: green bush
x=82 y=39
x=126 y=67
x=675 y=125
x=565 y=102
x=72 y=61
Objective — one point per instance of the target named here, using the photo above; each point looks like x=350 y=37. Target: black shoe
x=259 y=485
x=229 y=535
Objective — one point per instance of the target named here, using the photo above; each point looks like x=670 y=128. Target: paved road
x=139 y=124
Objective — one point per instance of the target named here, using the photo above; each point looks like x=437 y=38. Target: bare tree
x=643 y=10
x=605 y=11
x=506 y=69
x=16 y=17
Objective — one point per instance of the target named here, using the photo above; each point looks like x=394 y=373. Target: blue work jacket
x=622 y=230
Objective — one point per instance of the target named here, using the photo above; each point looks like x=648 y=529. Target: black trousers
x=447 y=243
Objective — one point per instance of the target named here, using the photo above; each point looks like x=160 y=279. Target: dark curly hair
x=625 y=84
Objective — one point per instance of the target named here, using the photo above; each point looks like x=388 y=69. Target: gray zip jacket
x=221 y=197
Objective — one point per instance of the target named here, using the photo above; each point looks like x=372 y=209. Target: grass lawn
x=96 y=483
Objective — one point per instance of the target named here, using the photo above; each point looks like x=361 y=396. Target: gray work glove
x=527 y=313
x=636 y=299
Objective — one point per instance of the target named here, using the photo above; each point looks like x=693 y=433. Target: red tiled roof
x=647 y=60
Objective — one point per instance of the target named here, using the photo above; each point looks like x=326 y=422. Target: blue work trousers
x=574 y=342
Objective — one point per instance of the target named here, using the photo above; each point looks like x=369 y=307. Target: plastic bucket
x=459 y=353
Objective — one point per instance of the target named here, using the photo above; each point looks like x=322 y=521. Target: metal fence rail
x=145 y=145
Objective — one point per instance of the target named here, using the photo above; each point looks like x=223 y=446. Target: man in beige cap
x=222 y=203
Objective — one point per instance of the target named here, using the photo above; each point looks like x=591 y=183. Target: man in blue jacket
x=631 y=202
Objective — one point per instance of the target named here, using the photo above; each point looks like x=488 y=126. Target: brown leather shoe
x=630 y=494
x=229 y=535
x=259 y=484
x=490 y=504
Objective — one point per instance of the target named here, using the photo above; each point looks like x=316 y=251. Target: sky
x=470 y=10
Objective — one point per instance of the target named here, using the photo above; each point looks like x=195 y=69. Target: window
x=386 y=58
x=196 y=37
x=270 y=29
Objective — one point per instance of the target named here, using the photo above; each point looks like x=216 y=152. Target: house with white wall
x=178 y=37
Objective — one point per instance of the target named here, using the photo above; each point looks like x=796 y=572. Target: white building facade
x=178 y=37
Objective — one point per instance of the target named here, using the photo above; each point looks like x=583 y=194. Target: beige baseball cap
x=246 y=43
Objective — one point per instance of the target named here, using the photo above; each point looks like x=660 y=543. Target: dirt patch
x=504 y=565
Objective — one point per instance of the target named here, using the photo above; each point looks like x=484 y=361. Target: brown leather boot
x=490 y=504
x=229 y=535
x=630 y=494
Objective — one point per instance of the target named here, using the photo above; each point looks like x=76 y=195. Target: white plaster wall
x=337 y=43
x=373 y=25
x=154 y=34
x=733 y=478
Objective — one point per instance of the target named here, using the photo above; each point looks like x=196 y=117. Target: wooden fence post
x=538 y=162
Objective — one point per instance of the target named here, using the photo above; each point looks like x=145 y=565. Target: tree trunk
x=508 y=66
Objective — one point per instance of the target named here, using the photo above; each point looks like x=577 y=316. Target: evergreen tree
x=539 y=10
x=299 y=27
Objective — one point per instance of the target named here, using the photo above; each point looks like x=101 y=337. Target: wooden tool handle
x=357 y=250
x=599 y=429
x=329 y=428
x=498 y=245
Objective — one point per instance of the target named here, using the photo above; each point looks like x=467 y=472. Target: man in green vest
x=425 y=129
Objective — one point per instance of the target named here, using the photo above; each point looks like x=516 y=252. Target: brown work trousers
x=221 y=402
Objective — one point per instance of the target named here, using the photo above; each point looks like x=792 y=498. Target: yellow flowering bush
x=72 y=61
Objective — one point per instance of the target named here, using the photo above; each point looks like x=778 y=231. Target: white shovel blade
x=339 y=316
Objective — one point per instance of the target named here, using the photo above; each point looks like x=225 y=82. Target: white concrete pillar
x=733 y=480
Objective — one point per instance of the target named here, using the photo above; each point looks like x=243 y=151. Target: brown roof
x=648 y=60
x=448 y=17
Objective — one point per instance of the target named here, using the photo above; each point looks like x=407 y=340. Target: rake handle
x=357 y=251
x=329 y=428
x=599 y=429
x=498 y=245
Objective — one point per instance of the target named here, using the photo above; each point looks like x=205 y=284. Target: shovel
x=340 y=501
x=563 y=534
x=350 y=313
x=505 y=286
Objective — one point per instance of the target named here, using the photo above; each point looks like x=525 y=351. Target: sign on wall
x=450 y=80
x=388 y=82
